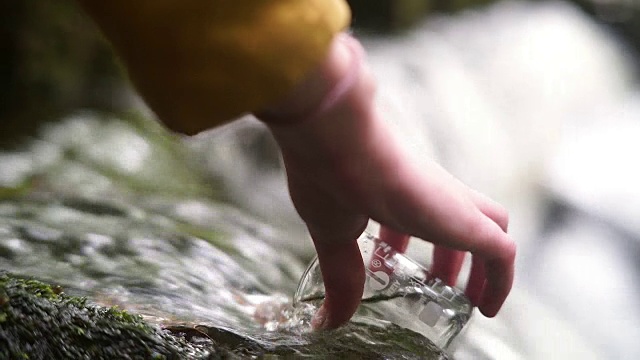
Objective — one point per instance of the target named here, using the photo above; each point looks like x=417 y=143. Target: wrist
x=338 y=115
x=322 y=89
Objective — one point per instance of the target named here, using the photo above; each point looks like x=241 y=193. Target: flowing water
x=119 y=212
x=127 y=215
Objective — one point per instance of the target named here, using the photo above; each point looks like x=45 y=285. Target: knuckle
x=480 y=230
x=502 y=217
x=490 y=240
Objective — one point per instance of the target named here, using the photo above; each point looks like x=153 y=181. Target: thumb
x=343 y=274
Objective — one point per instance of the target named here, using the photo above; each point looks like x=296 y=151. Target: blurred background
x=535 y=103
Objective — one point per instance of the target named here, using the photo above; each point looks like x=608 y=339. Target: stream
x=200 y=232
x=114 y=210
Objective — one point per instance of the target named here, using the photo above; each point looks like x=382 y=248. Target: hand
x=344 y=167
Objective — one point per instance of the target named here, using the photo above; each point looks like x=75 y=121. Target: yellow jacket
x=199 y=63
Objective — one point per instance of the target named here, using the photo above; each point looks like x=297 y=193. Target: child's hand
x=344 y=168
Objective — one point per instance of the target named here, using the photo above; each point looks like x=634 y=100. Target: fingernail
x=319 y=319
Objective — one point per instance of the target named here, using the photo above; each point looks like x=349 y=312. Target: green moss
x=15 y=191
x=39 y=321
x=35 y=287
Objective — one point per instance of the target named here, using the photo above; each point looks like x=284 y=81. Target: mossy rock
x=38 y=321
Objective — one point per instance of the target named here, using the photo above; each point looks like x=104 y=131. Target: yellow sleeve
x=199 y=63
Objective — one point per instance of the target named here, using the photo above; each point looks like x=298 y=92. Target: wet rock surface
x=39 y=321
x=114 y=211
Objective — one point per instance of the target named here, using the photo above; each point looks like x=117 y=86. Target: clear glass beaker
x=401 y=291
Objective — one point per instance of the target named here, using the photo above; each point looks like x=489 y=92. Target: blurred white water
x=533 y=104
